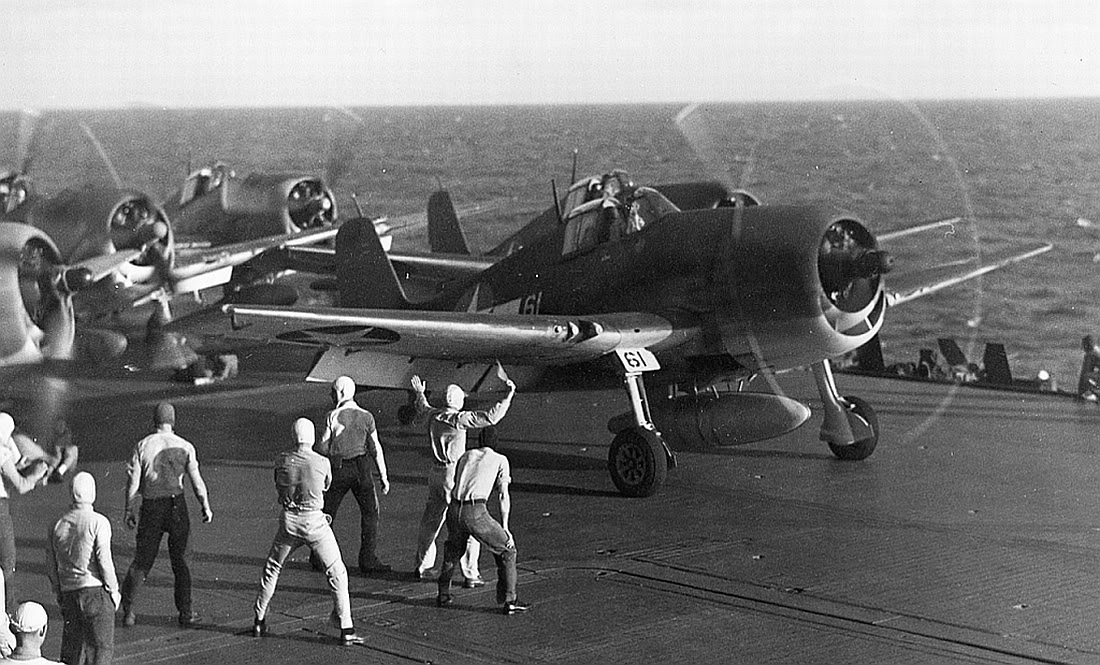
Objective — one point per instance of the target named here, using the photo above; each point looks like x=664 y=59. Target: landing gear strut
x=639 y=459
x=850 y=427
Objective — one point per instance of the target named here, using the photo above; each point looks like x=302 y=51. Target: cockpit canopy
x=607 y=208
x=204 y=181
x=14 y=191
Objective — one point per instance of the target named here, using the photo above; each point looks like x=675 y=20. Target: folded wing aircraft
x=216 y=206
x=622 y=284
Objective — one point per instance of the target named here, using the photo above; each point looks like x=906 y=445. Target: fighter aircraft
x=624 y=284
x=120 y=234
x=216 y=205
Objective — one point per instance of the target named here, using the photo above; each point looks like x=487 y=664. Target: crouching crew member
x=479 y=472
x=447 y=430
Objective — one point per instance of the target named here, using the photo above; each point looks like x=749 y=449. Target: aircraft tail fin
x=364 y=275
x=444 y=231
x=995 y=361
x=951 y=352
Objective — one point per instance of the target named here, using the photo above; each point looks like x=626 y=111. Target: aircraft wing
x=467 y=336
x=102 y=265
x=202 y=268
x=433 y=265
x=919 y=291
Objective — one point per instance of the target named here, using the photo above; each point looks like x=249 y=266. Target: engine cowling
x=36 y=313
x=91 y=221
x=274 y=204
x=801 y=284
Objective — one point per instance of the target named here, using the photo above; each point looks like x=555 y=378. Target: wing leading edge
x=465 y=336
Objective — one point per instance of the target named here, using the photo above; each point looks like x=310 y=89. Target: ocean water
x=1019 y=173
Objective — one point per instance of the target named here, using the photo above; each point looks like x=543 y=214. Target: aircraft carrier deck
x=972 y=535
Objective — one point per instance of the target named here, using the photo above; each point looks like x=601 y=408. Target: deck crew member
x=479 y=472
x=1088 y=385
x=21 y=484
x=28 y=624
x=156 y=471
x=82 y=574
x=350 y=441
x=447 y=428
x=301 y=478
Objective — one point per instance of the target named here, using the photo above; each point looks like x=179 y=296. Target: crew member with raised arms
x=301 y=478
x=21 y=484
x=479 y=472
x=447 y=429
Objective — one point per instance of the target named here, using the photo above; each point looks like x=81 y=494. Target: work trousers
x=89 y=615
x=355 y=475
x=157 y=517
x=310 y=528
x=440 y=484
x=473 y=519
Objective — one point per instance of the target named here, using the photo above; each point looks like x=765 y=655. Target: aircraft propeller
x=693 y=127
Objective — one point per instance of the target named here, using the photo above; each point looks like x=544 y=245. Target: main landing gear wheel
x=862 y=417
x=637 y=462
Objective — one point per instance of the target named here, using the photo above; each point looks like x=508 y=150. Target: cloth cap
x=83 y=488
x=7 y=426
x=29 y=617
x=344 y=387
x=304 y=431
x=456 y=396
x=165 y=414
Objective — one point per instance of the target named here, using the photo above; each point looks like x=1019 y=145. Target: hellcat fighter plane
x=122 y=233
x=216 y=205
x=620 y=284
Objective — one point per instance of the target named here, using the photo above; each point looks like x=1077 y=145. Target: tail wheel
x=863 y=419
x=637 y=462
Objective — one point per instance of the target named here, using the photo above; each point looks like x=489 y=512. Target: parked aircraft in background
x=90 y=251
x=620 y=283
x=216 y=206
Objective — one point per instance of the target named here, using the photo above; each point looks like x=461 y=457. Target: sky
x=246 y=53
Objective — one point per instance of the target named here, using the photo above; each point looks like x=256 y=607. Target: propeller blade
x=692 y=123
x=32 y=126
x=895 y=298
x=912 y=230
x=102 y=154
